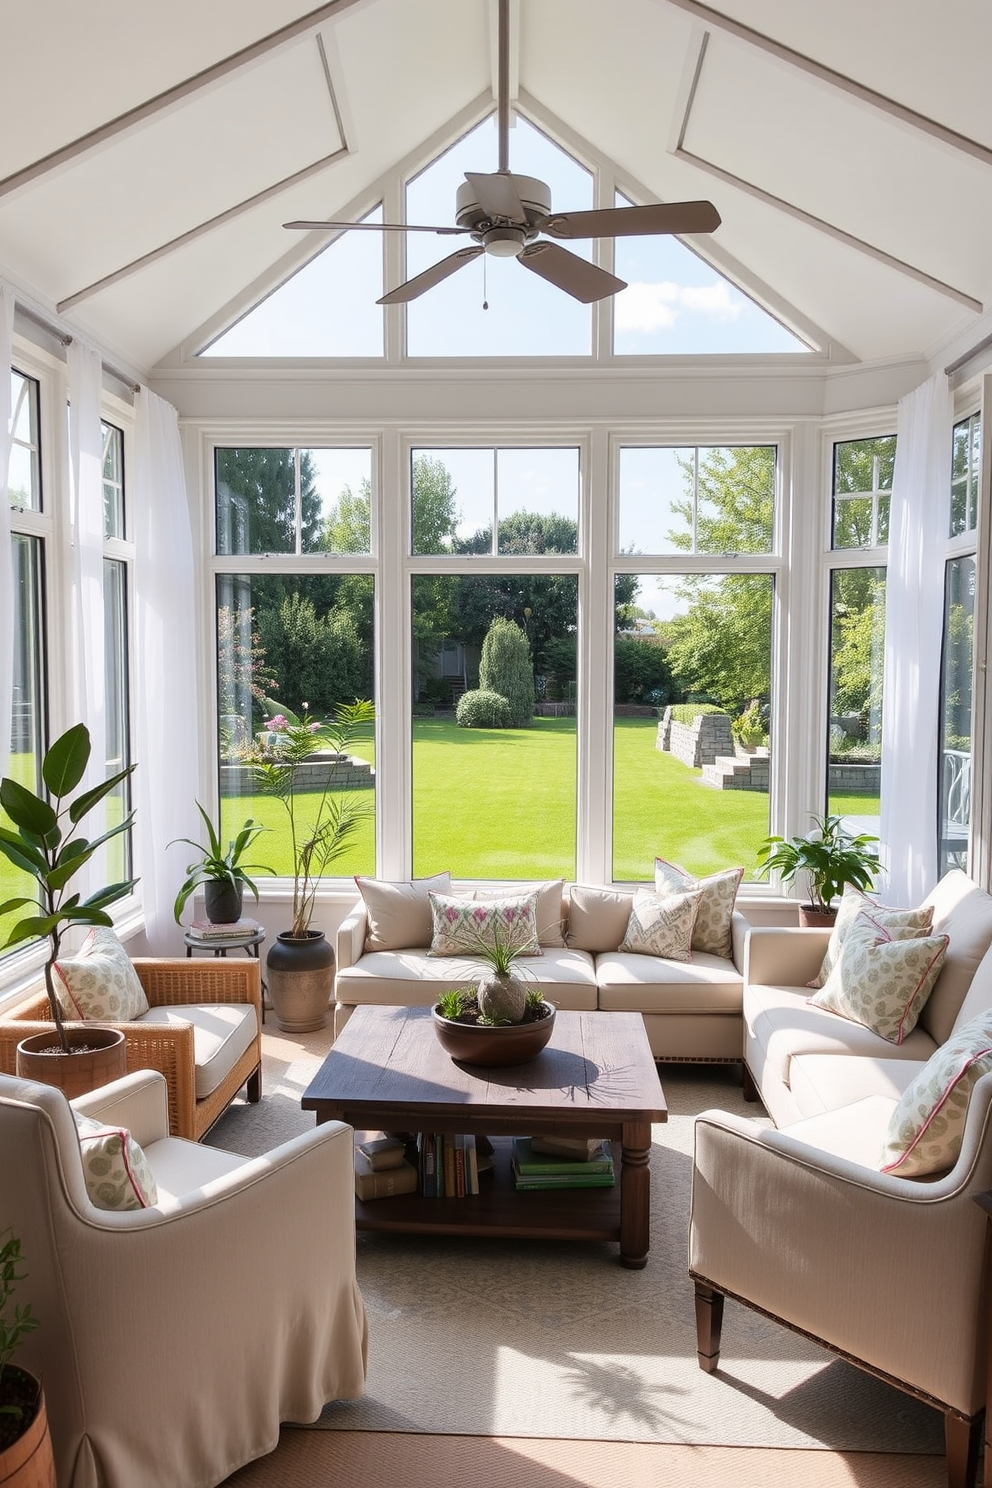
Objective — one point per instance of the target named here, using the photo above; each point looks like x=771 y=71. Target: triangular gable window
x=677 y=304
x=326 y=309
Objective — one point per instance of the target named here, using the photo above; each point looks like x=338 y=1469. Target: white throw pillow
x=115 y=1168
x=880 y=982
x=718 y=893
x=902 y=924
x=399 y=914
x=927 y=1126
x=463 y=926
x=100 y=982
x=661 y=925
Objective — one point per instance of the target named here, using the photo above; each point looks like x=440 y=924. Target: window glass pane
x=24 y=472
x=537 y=500
x=692 y=668
x=955 y=712
x=304 y=644
x=454 y=499
x=293 y=501
x=116 y=714
x=342 y=485
x=857 y=654
x=965 y=468
x=495 y=797
x=862 y=491
x=28 y=723
x=688 y=500
x=113 y=481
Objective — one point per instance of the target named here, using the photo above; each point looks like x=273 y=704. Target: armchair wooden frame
x=169 y=982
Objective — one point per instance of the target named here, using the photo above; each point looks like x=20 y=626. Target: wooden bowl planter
x=491 y=1045
x=97 y=1055
x=29 y=1462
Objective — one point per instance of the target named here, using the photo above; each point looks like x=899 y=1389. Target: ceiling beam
x=162 y=102
x=898 y=111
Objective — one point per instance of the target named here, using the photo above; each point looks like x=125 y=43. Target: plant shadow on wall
x=295 y=759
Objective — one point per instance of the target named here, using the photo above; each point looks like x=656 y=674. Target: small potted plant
x=25 y=1443
x=830 y=857
x=223 y=874
x=502 y=1020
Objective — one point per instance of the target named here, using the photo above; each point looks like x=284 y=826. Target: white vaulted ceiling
x=150 y=153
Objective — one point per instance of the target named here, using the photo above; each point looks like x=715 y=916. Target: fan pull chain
x=485 y=291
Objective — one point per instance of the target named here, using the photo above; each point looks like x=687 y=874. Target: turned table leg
x=635 y=1194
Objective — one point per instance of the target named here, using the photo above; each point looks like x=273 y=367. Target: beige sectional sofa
x=691 y=1009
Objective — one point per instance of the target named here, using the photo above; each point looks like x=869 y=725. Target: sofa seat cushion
x=784 y=1023
x=827 y=1082
x=629 y=982
x=414 y=978
x=222 y=1032
x=855 y=1133
x=180 y=1167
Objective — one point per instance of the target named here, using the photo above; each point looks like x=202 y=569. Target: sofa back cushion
x=399 y=914
x=963 y=912
x=597 y=918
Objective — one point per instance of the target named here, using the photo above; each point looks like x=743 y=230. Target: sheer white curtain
x=165 y=668
x=914 y=611
x=6 y=552
x=88 y=678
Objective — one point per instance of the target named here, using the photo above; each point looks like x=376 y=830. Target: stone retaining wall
x=343 y=773
x=697 y=743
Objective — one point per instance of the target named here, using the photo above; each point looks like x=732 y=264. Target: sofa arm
x=739 y=928
x=139 y=1101
x=776 y=956
x=350 y=944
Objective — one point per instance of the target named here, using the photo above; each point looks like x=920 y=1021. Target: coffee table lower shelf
x=500 y=1210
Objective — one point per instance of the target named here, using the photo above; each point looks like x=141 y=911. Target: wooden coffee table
x=597 y=1078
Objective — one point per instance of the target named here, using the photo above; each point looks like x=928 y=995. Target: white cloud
x=655 y=307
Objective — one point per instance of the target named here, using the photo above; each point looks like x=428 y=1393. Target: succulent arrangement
x=494 y=1006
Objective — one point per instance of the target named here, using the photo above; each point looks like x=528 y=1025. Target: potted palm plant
x=26 y=1458
x=221 y=872
x=43 y=843
x=829 y=857
x=294 y=763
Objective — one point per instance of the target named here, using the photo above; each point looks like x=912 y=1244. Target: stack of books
x=382 y=1171
x=552 y=1162
x=448 y=1164
x=207 y=931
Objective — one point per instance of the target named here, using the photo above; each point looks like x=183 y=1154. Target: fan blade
x=630 y=222
x=307 y=226
x=427 y=280
x=582 y=280
x=497 y=196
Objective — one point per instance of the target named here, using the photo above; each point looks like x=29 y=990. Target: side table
x=247 y=943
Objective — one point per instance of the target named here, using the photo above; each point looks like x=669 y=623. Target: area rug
x=532 y=1339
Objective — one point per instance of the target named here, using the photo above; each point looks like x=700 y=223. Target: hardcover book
x=581 y=1147
x=384 y=1184
x=382 y=1152
x=525 y=1182
x=234 y=930
x=527 y=1160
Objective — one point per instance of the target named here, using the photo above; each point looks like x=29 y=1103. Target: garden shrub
x=482 y=709
x=505 y=667
x=686 y=712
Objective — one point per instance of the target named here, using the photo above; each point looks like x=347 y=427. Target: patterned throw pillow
x=101 y=981
x=927 y=1126
x=902 y=924
x=881 y=982
x=462 y=926
x=716 y=906
x=661 y=925
x=115 y=1168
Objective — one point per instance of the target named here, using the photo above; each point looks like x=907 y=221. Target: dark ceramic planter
x=222 y=901
x=483 y=1044
x=810 y=918
x=300 y=977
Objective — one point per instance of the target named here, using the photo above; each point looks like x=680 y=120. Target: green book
x=524 y=1183
x=528 y=1162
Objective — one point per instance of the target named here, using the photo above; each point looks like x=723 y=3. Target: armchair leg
x=962 y=1441
x=709 y=1325
x=750 y=1091
x=253 y=1087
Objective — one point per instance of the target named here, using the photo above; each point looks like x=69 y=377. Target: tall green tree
x=506 y=668
x=256 y=501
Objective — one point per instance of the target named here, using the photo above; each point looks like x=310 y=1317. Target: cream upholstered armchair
x=202 y=1031
x=888 y=1272
x=174 y=1339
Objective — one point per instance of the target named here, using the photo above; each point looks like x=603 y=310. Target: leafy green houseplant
x=829 y=856
x=22 y=1407
x=219 y=869
x=44 y=843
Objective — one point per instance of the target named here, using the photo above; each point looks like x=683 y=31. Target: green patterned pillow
x=927 y=1126
x=881 y=982
x=115 y=1168
x=100 y=982
x=718 y=894
x=463 y=926
x=661 y=926
x=902 y=924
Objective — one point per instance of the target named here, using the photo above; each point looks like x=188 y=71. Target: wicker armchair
x=177 y=983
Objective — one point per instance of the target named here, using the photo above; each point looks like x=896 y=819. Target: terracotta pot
x=222 y=901
x=810 y=918
x=300 y=978
x=29 y=1461
x=488 y=1045
x=82 y=1069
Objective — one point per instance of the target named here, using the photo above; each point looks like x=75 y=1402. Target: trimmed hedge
x=482 y=709
x=686 y=712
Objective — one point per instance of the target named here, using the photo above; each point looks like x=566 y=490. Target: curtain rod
x=65 y=339
x=960 y=361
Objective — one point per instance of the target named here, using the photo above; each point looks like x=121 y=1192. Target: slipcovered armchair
x=202 y=1031
x=888 y=1272
x=174 y=1339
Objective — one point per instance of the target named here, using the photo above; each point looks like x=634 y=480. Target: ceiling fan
x=504 y=213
